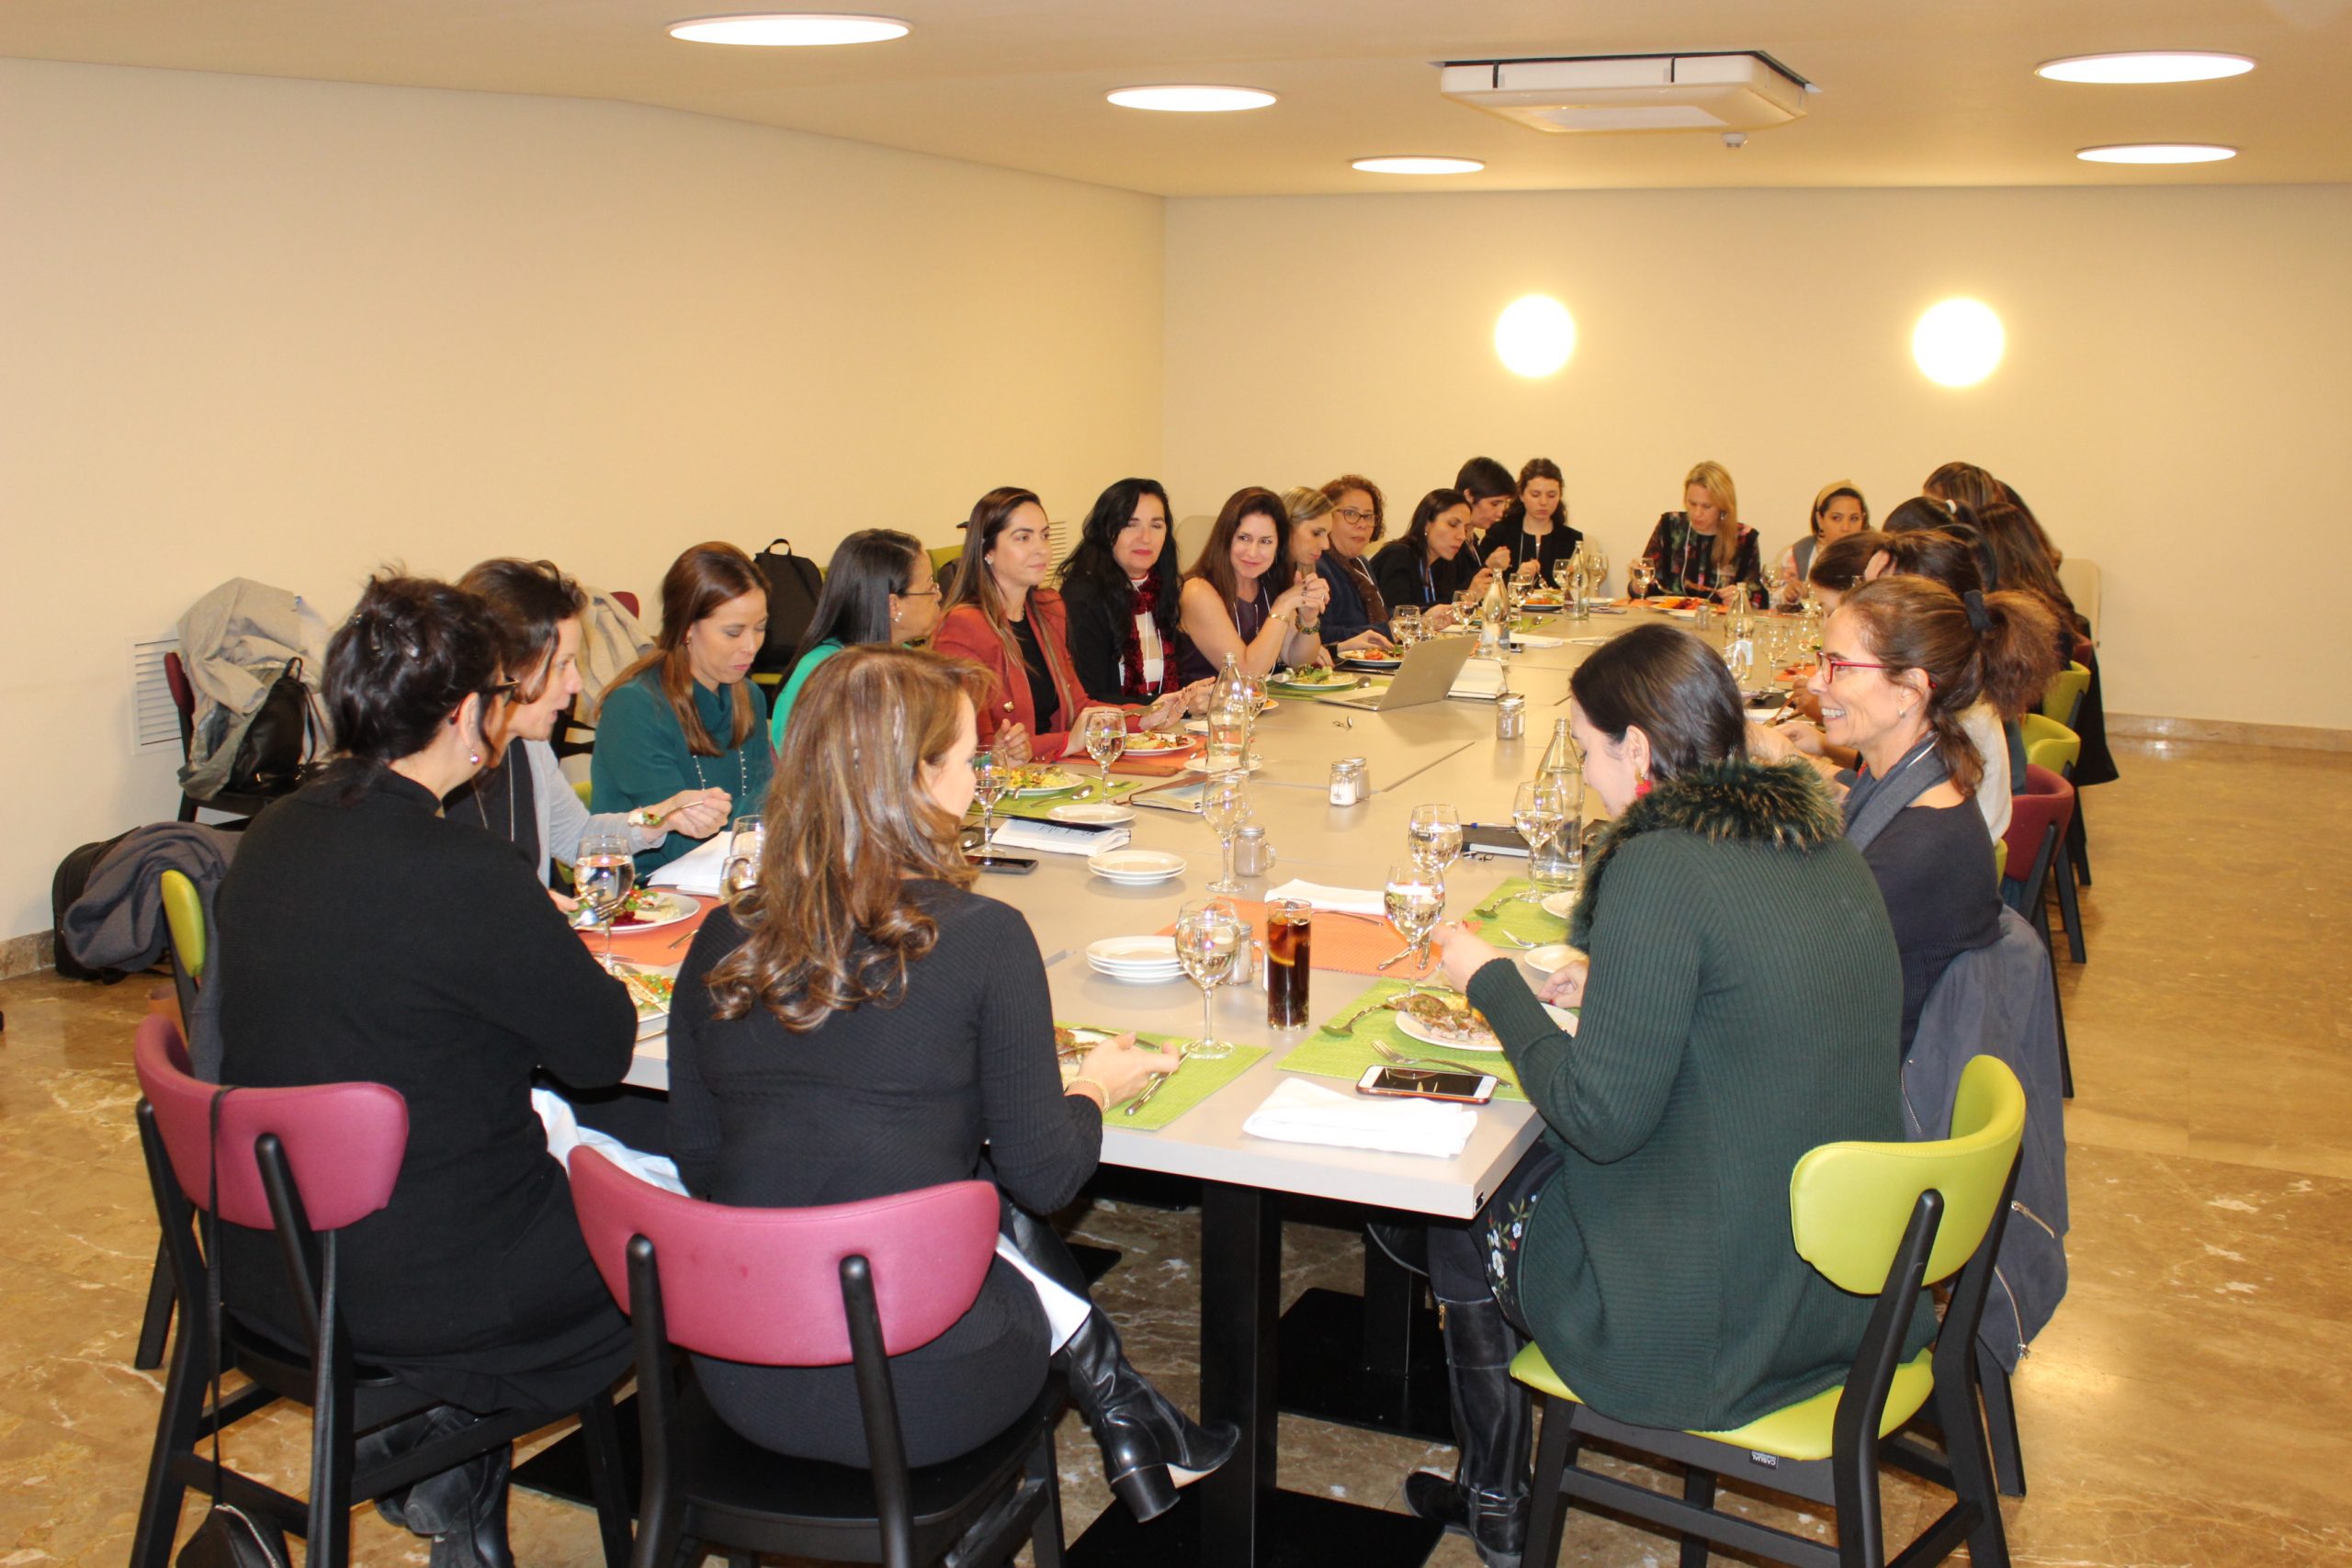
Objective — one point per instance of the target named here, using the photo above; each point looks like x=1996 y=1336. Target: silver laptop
x=1426 y=676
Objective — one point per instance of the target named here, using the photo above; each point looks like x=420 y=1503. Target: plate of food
x=1156 y=742
x=648 y=990
x=1383 y=660
x=1040 y=778
x=1312 y=680
x=1453 y=1022
x=1559 y=904
x=649 y=909
x=1544 y=599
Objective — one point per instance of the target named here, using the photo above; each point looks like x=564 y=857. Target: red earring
x=1642 y=785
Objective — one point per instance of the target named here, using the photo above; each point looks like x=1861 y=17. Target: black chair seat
x=754 y=1498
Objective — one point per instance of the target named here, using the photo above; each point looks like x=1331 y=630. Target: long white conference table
x=1444 y=752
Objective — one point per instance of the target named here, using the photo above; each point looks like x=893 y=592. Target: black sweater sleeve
x=1044 y=1143
x=530 y=974
x=694 y=1113
x=1096 y=641
x=1399 y=576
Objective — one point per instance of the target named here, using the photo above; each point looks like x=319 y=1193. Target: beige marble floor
x=2181 y=1409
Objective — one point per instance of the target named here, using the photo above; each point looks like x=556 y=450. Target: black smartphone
x=1421 y=1083
x=1012 y=865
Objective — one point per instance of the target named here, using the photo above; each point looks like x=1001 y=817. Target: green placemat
x=1186 y=1086
x=1040 y=807
x=1524 y=921
x=1327 y=1055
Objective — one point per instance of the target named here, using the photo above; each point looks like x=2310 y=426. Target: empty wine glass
x=603 y=877
x=1433 y=834
x=741 y=872
x=1539 y=811
x=1596 y=567
x=1104 y=730
x=1209 y=936
x=1224 y=805
x=989 y=780
x=1414 y=899
x=1405 y=626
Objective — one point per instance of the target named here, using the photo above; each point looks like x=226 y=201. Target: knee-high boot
x=462 y=1509
x=1493 y=1420
x=1149 y=1447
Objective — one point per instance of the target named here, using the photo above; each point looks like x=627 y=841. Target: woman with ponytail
x=1903 y=661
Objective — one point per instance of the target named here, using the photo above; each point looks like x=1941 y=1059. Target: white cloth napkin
x=565 y=1133
x=1059 y=838
x=1303 y=1113
x=1338 y=900
x=697 y=871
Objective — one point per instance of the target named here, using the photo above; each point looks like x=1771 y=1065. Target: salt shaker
x=1511 y=715
x=1351 y=782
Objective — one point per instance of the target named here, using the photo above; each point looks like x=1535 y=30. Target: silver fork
x=1139 y=1102
x=1387 y=1053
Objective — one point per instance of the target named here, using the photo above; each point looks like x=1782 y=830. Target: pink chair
x=626 y=601
x=2036 y=841
x=305 y=1162
x=852 y=1283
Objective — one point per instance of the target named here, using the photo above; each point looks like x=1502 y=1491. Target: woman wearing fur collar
x=1740 y=1007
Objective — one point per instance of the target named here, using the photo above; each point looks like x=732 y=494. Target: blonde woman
x=1704 y=548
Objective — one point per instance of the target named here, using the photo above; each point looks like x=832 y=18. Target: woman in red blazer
x=1001 y=618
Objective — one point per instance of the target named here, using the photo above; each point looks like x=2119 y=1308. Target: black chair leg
x=2078 y=843
x=2001 y=1425
x=2066 y=1059
x=1045 y=1530
x=1972 y=1472
x=1555 y=1449
x=2070 y=911
x=176 y=1430
x=600 y=1432
x=1699 y=1491
x=156 y=1328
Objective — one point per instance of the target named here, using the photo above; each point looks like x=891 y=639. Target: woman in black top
x=1119 y=592
x=1902 y=660
x=1536 y=530
x=1431 y=563
x=863 y=1025
x=364 y=936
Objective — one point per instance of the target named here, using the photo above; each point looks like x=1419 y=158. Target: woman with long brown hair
x=685 y=716
x=1704 y=548
x=1243 y=596
x=862 y=1024
x=1001 y=617
x=1536 y=530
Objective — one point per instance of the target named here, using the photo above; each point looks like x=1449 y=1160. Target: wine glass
x=1405 y=625
x=1209 y=937
x=1539 y=811
x=603 y=877
x=1595 y=568
x=1104 y=730
x=744 y=845
x=1414 y=898
x=1641 y=577
x=1433 y=835
x=1224 y=805
x=990 y=776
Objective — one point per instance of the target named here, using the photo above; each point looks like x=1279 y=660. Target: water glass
x=744 y=845
x=1433 y=835
x=1105 y=732
x=1414 y=901
x=1209 y=936
x=603 y=877
x=1405 y=627
x=1224 y=805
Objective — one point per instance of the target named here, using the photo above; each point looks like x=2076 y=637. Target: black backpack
x=73 y=876
x=279 y=739
x=794 y=582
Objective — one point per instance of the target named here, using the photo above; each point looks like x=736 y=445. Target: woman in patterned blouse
x=1704 y=548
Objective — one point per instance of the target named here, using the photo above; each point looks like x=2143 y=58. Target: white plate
x=1098 y=814
x=1135 y=867
x=675 y=908
x=1068 y=781
x=1346 y=681
x=1407 y=1024
x=1545 y=959
x=1558 y=904
x=1378 y=666
x=1134 y=750
x=1140 y=976
x=1132 y=952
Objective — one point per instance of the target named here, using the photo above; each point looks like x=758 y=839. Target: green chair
x=184 y=924
x=943 y=558
x=2050 y=744
x=1881 y=1219
x=2062 y=698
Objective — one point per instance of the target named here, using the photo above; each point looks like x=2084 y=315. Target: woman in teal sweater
x=879 y=587
x=1740 y=1006
x=684 y=717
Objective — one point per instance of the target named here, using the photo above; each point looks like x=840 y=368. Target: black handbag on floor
x=277 y=741
x=229 y=1536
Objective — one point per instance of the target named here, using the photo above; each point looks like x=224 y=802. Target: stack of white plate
x=1136 y=868
x=1137 y=959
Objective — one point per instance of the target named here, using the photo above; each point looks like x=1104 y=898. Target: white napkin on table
x=1303 y=1113
x=1338 y=900
x=697 y=871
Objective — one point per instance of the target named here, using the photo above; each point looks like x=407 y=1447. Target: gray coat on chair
x=1997 y=1002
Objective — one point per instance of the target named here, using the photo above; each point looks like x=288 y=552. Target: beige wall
x=287 y=330
x=2179 y=366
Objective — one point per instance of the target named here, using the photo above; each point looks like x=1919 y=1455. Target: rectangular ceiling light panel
x=1647 y=92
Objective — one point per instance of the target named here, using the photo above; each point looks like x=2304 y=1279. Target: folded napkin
x=1059 y=838
x=1479 y=678
x=697 y=871
x=1302 y=1113
x=1338 y=900
x=1532 y=639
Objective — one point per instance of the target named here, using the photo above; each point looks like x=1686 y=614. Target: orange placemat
x=1349 y=944
x=663 y=947
x=1161 y=767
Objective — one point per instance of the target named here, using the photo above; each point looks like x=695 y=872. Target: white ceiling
x=1914 y=92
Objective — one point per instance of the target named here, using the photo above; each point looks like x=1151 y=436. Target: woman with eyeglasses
x=1359 y=517
x=879 y=587
x=1737 y=1008
x=1535 y=531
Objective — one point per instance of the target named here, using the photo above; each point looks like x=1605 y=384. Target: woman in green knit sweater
x=1740 y=1007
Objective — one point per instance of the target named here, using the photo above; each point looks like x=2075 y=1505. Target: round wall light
x=1417 y=165
x=1193 y=98
x=1958 y=342
x=788 y=29
x=2145 y=66
x=1535 y=335
x=2157 y=152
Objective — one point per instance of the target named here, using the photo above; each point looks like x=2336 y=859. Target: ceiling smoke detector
x=1744 y=90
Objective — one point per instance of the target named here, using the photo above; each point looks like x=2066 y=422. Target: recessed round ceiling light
x=1418 y=166
x=2157 y=152
x=2145 y=66
x=788 y=29
x=1191 y=98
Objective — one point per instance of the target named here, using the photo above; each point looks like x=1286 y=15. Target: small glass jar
x=1351 y=782
x=1511 y=715
x=1253 y=855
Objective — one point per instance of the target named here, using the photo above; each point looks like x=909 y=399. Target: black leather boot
x=1493 y=1420
x=386 y=1444
x=464 y=1509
